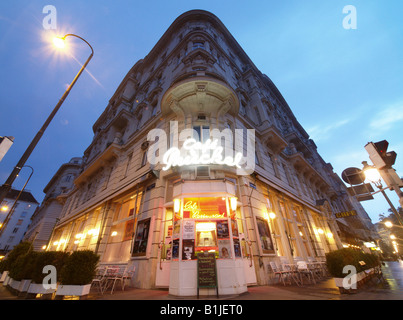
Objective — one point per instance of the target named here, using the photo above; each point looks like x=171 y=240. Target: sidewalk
x=390 y=289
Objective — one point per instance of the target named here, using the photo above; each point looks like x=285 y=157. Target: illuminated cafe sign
x=197 y=153
x=346 y=214
x=209 y=152
x=211 y=211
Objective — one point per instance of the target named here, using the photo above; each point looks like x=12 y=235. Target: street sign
x=346 y=214
x=353 y=176
x=362 y=192
x=206 y=271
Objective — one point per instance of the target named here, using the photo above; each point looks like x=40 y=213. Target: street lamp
x=389 y=224
x=373 y=175
x=10 y=213
x=6 y=187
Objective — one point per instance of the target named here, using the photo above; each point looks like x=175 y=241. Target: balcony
x=303 y=166
x=112 y=151
x=273 y=139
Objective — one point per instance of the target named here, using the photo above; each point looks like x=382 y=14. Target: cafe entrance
x=196 y=225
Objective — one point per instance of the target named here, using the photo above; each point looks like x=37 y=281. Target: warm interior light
x=177 y=204
x=320 y=231
x=205 y=226
x=392 y=236
x=4 y=208
x=272 y=215
x=114 y=234
x=59 y=42
x=43 y=247
x=329 y=235
x=388 y=224
x=233 y=203
x=93 y=232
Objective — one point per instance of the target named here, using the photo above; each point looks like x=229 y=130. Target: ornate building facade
x=47 y=214
x=277 y=204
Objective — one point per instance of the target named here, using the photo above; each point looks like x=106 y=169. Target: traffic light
x=379 y=156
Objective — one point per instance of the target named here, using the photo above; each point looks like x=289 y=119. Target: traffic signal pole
x=383 y=161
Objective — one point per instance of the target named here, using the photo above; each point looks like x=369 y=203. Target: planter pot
x=35 y=289
x=6 y=280
x=73 y=290
x=3 y=276
x=339 y=283
x=15 y=284
x=24 y=286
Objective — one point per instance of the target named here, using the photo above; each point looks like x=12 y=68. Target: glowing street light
x=6 y=187
x=373 y=175
x=59 y=42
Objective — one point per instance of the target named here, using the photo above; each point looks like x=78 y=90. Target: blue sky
x=344 y=86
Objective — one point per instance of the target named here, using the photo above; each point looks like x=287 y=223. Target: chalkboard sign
x=206 y=271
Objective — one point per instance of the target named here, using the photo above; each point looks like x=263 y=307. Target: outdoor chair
x=100 y=278
x=279 y=272
x=303 y=269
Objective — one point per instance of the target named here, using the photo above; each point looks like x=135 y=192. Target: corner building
x=131 y=211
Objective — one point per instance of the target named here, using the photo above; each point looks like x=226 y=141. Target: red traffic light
x=382 y=146
x=389 y=158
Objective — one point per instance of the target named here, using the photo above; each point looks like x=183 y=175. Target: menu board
x=206 y=271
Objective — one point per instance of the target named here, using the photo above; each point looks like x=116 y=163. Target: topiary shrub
x=19 y=250
x=338 y=259
x=80 y=268
x=23 y=266
x=53 y=258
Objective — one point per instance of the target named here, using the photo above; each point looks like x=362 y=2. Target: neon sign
x=195 y=212
x=199 y=154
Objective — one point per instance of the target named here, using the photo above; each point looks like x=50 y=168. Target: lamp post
x=10 y=212
x=6 y=187
x=373 y=175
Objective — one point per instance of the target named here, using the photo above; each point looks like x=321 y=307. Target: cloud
x=387 y=118
x=322 y=132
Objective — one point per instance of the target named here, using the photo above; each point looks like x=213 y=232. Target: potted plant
x=77 y=274
x=21 y=273
x=363 y=263
x=4 y=270
x=41 y=278
x=8 y=262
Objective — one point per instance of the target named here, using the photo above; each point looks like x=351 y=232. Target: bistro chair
x=303 y=269
x=277 y=271
x=292 y=272
x=100 y=278
x=118 y=275
x=128 y=275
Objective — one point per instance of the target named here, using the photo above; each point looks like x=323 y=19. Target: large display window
x=205 y=225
